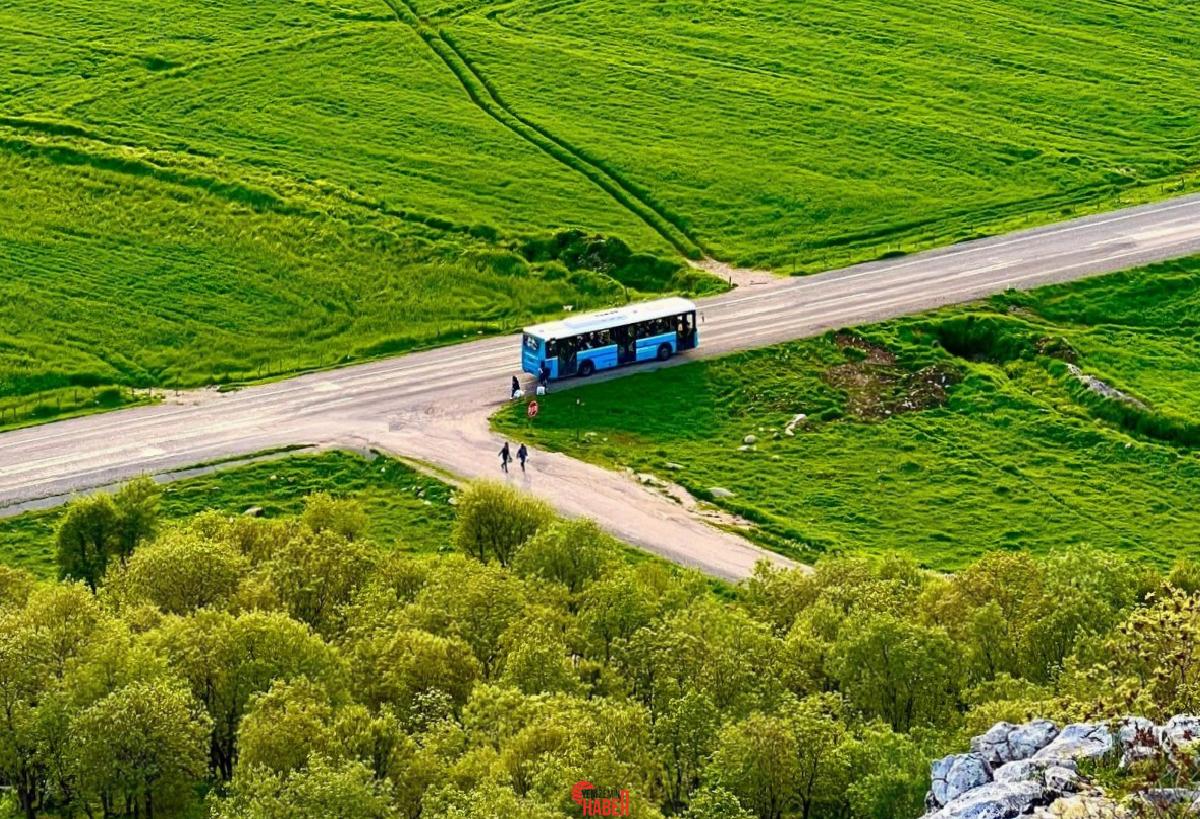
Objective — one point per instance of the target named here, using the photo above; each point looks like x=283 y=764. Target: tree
x=494 y=521
x=315 y=573
x=137 y=515
x=88 y=535
x=684 y=736
x=227 y=659
x=570 y=552
x=902 y=672
x=394 y=669
x=322 y=788
x=757 y=760
x=345 y=518
x=15 y=586
x=285 y=726
x=179 y=573
x=822 y=749
x=890 y=774
x=154 y=756
x=474 y=602
x=536 y=659
x=715 y=803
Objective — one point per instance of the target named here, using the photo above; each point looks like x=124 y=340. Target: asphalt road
x=433 y=405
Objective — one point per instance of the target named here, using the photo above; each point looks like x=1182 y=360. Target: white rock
x=956 y=774
x=1032 y=769
x=674 y=466
x=1061 y=780
x=720 y=492
x=750 y=439
x=1180 y=737
x=995 y=800
x=1082 y=740
x=1137 y=737
x=1005 y=742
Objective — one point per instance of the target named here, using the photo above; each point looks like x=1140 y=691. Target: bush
x=494 y=521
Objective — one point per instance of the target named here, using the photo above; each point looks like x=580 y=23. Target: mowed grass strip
x=1017 y=454
x=806 y=135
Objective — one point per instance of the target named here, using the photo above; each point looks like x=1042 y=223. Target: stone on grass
x=720 y=492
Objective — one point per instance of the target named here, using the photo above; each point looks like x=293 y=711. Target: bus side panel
x=531 y=360
x=602 y=358
x=647 y=348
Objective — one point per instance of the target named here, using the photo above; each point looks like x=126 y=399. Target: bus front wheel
x=664 y=352
x=586 y=369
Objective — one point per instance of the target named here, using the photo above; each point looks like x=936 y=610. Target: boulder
x=1180 y=738
x=750 y=439
x=1034 y=769
x=995 y=800
x=720 y=492
x=1082 y=740
x=1005 y=742
x=1137 y=739
x=1061 y=780
x=956 y=774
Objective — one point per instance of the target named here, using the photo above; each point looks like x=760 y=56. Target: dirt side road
x=433 y=405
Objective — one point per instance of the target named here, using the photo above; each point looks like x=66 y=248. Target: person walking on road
x=522 y=454
x=505 y=457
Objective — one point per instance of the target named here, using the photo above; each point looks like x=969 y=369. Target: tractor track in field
x=484 y=94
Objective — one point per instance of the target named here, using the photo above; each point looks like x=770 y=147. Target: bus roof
x=616 y=317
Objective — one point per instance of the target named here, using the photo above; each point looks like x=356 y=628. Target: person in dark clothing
x=544 y=376
x=505 y=457
x=516 y=386
x=522 y=454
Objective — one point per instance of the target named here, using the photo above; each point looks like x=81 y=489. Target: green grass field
x=208 y=192
x=1013 y=452
x=406 y=510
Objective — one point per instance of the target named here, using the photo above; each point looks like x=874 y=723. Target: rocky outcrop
x=1006 y=742
x=1033 y=770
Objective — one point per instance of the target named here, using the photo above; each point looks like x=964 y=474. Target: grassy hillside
x=235 y=192
x=407 y=510
x=209 y=192
x=944 y=435
x=820 y=132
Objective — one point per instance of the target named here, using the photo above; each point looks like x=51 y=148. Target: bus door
x=567 y=353
x=685 y=331
x=626 y=341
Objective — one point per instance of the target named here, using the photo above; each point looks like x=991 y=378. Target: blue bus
x=581 y=345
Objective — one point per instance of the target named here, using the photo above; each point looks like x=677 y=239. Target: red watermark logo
x=599 y=805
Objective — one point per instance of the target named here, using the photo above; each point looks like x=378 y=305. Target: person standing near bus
x=522 y=454
x=505 y=457
x=544 y=376
x=516 y=387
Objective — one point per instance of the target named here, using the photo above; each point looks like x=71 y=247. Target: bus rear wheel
x=586 y=369
x=664 y=352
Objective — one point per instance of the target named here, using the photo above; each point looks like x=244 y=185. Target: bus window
x=551 y=348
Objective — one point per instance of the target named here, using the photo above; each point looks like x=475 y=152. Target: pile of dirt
x=876 y=387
